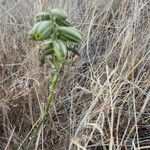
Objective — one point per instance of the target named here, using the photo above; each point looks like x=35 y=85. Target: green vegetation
x=49 y=31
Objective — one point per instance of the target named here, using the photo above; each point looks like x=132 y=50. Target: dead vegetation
x=103 y=99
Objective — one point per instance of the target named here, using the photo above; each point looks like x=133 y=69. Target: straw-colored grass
x=103 y=99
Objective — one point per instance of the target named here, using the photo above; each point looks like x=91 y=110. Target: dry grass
x=103 y=99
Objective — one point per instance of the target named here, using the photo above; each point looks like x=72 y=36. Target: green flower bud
x=70 y=33
x=41 y=31
x=58 y=14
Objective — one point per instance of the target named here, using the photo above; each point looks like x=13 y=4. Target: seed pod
x=70 y=33
x=60 y=49
x=61 y=37
x=42 y=16
x=58 y=14
x=63 y=22
x=63 y=47
x=41 y=31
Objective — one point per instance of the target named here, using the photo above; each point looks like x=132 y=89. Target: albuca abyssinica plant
x=56 y=32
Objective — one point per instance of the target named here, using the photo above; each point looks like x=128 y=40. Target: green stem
x=53 y=87
x=42 y=119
